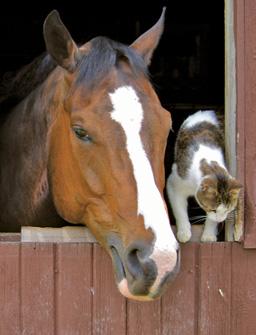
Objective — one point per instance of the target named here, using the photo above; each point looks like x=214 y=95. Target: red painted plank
x=9 y=289
x=214 y=300
x=179 y=310
x=250 y=120
x=144 y=318
x=37 y=288
x=109 y=307
x=73 y=288
x=243 y=291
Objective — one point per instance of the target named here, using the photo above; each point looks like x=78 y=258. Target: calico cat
x=199 y=170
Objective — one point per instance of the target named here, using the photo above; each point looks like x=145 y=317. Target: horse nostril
x=133 y=264
x=140 y=268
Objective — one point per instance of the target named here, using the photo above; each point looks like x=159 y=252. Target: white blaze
x=128 y=112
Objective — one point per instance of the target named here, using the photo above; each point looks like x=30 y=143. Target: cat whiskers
x=197 y=218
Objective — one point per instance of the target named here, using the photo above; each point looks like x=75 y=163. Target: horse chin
x=124 y=290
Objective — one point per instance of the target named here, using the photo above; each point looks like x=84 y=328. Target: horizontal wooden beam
x=64 y=234
x=77 y=234
x=69 y=234
x=10 y=237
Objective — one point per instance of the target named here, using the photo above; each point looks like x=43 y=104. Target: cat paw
x=208 y=238
x=183 y=235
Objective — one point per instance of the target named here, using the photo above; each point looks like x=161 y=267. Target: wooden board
x=179 y=304
x=144 y=318
x=214 y=283
x=243 y=297
x=245 y=30
x=73 y=288
x=69 y=288
x=37 y=289
x=109 y=307
x=10 y=299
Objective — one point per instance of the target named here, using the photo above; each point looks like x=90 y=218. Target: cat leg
x=179 y=206
x=210 y=231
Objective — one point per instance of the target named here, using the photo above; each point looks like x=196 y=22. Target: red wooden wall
x=68 y=289
x=245 y=32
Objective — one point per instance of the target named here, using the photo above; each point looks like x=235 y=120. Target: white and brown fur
x=199 y=170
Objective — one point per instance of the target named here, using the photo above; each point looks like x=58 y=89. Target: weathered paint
x=69 y=288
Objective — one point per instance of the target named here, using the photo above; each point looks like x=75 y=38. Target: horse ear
x=147 y=42
x=59 y=42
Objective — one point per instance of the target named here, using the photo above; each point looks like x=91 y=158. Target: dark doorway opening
x=188 y=66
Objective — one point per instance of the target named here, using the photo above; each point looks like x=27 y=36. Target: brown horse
x=86 y=145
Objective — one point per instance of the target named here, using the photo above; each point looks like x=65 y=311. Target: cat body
x=199 y=170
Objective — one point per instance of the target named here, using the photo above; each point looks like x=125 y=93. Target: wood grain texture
x=144 y=318
x=179 y=310
x=249 y=49
x=37 y=289
x=109 y=307
x=243 y=298
x=68 y=288
x=239 y=30
x=69 y=234
x=73 y=288
x=214 y=296
x=10 y=289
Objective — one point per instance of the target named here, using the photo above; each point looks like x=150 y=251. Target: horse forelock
x=103 y=56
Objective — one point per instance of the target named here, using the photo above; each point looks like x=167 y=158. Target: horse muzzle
x=142 y=273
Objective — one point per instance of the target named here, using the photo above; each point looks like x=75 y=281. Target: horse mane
x=15 y=86
x=104 y=54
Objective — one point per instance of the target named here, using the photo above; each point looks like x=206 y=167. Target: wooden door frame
x=245 y=134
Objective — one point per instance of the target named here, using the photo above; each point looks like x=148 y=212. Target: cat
x=199 y=170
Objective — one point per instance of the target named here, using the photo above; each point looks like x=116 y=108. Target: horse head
x=107 y=147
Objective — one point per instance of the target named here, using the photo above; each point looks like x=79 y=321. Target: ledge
x=68 y=234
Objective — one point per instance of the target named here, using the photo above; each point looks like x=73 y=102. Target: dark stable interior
x=187 y=69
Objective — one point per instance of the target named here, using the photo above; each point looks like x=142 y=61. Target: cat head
x=218 y=195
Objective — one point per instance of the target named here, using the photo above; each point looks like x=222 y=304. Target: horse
x=84 y=143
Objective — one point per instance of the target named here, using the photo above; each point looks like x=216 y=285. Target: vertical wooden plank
x=9 y=289
x=179 y=309
x=243 y=291
x=144 y=318
x=250 y=120
x=37 y=288
x=239 y=27
x=233 y=226
x=215 y=289
x=109 y=307
x=73 y=288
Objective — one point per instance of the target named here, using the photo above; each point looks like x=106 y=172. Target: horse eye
x=82 y=134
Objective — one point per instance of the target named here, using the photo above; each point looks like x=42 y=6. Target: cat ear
x=209 y=189
x=235 y=188
x=208 y=185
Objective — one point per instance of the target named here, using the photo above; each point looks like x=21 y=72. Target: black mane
x=14 y=87
x=104 y=55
